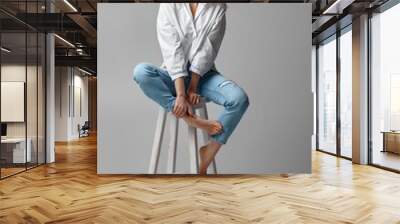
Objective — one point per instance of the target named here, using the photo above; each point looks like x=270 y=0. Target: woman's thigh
x=222 y=91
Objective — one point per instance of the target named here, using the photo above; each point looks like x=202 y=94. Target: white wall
x=80 y=84
x=266 y=50
x=68 y=82
x=61 y=103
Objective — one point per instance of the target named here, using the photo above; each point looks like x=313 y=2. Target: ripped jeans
x=158 y=86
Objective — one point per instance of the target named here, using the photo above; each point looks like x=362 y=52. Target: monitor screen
x=3 y=129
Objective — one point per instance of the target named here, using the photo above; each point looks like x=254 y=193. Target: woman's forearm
x=194 y=82
x=180 y=87
x=193 y=96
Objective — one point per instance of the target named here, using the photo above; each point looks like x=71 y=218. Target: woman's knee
x=141 y=72
x=239 y=99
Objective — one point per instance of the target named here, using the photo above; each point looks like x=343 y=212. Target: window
x=346 y=93
x=334 y=106
x=385 y=89
x=327 y=96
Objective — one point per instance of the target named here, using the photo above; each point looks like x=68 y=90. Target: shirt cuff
x=178 y=75
x=196 y=70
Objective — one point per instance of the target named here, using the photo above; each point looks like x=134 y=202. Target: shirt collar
x=200 y=8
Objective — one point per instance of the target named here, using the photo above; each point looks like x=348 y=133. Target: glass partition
x=41 y=97
x=14 y=151
x=32 y=95
x=22 y=101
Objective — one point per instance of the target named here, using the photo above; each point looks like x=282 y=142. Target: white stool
x=201 y=111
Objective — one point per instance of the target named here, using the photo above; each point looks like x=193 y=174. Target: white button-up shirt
x=185 y=38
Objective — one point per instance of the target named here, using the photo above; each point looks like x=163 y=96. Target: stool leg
x=203 y=113
x=194 y=161
x=158 y=137
x=174 y=124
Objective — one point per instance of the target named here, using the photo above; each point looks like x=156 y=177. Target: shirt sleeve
x=170 y=43
x=209 y=45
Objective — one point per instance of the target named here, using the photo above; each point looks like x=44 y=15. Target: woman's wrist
x=192 y=88
x=180 y=87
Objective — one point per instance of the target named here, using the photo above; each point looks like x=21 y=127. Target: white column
x=50 y=98
x=360 y=90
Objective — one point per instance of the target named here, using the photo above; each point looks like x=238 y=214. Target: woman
x=190 y=35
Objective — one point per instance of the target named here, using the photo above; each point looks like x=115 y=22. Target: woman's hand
x=193 y=97
x=181 y=107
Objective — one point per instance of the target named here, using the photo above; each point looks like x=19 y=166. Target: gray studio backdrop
x=266 y=50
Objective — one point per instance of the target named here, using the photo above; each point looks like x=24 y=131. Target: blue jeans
x=158 y=86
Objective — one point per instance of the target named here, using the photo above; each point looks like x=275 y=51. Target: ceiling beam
x=84 y=24
x=83 y=61
x=337 y=7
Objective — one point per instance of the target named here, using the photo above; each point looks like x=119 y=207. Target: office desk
x=13 y=150
x=391 y=141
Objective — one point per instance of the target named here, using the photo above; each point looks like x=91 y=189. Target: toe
x=219 y=125
x=215 y=131
x=218 y=128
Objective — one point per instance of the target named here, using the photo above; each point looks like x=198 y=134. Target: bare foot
x=210 y=126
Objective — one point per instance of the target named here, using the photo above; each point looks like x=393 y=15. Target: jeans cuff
x=220 y=139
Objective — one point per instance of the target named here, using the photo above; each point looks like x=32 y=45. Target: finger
x=194 y=99
x=197 y=99
x=190 y=98
x=186 y=111
x=190 y=111
x=182 y=111
x=179 y=112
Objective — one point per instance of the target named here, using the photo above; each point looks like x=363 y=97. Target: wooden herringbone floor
x=70 y=191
